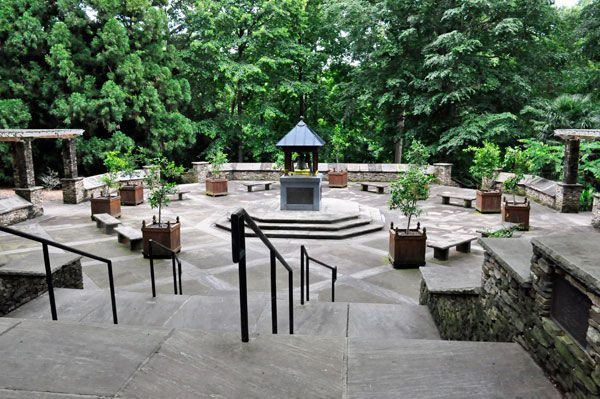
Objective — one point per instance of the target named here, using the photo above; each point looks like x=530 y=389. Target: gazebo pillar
x=72 y=185
x=25 y=177
x=568 y=191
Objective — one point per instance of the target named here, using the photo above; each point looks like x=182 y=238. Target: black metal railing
x=304 y=281
x=239 y=220
x=45 y=243
x=176 y=271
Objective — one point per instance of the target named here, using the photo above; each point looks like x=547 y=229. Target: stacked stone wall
x=19 y=288
x=596 y=211
x=568 y=197
x=540 y=197
x=14 y=216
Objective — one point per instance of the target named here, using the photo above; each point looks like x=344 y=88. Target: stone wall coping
x=33 y=265
x=95 y=181
x=514 y=254
x=323 y=167
x=597 y=195
x=446 y=280
x=575 y=253
x=13 y=203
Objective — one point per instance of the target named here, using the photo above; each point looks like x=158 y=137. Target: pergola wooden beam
x=578 y=134
x=16 y=135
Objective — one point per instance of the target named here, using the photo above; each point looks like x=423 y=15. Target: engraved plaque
x=300 y=195
x=571 y=309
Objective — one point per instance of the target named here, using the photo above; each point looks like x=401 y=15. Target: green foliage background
x=185 y=77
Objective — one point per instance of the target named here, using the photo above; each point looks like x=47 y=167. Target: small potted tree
x=516 y=161
x=338 y=178
x=216 y=184
x=486 y=160
x=407 y=246
x=132 y=192
x=418 y=156
x=161 y=184
x=108 y=203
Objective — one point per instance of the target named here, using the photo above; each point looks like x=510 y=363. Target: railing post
x=174 y=274
x=238 y=242
x=333 y=280
x=151 y=268
x=111 y=283
x=273 y=294
x=307 y=277
x=291 y=300
x=180 y=283
x=49 y=281
x=302 y=275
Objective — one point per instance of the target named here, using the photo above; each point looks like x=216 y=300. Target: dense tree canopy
x=187 y=77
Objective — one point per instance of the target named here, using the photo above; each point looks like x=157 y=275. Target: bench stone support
x=464 y=247
x=441 y=253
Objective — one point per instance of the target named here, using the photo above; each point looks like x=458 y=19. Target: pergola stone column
x=568 y=191
x=72 y=184
x=596 y=211
x=25 y=177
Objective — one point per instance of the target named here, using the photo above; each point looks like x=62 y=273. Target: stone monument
x=301 y=187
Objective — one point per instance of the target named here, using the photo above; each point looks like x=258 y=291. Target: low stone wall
x=596 y=211
x=19 y=287
x=14 y=209
x=515 y=304
x=14 y=216
x=540 y=197
x=356 y=172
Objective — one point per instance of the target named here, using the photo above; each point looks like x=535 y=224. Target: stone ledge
x=577 y=254
x=514 y=254
x=447 y=280
x=13 y=203
x=33 y=265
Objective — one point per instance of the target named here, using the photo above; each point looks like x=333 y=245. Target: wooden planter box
x=216 y=187
x=110 y=205
x=132 y=195
x=167 y=234
x=338 y=179
x=407 y=250
x=515 y=212
x=488 y=201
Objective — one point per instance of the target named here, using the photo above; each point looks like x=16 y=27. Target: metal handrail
x=239 y=220
x=45 y=242
x=304 y=255
x=174 y=258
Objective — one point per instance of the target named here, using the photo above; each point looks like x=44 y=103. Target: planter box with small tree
x=216 y=184
x=108 y=203
x=166 y=233
x=407 y=246
x=513 y=211
x=486 y=160
x=132 y=193
x=338 y=178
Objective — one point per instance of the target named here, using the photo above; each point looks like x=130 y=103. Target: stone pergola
x=568 y=190
x=24 y=176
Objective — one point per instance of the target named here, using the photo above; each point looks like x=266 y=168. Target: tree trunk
x=240 y=155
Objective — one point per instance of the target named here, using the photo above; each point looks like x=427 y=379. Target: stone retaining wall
x=19 y=288
x=540 y=197
x=596 y=211
x=14 y=216
x=356 y=172
x=510 y=309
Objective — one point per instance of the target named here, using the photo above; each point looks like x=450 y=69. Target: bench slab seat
x=251 y=185
x=466 y=198
x=180 y=194
x=131 y=236
x=441 y=246
x=105 y=222
x=379 y=186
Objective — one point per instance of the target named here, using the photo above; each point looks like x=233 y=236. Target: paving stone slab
x=421 y=369
x=6 y=324
x=191 y=364
x=391 y=321
x=72 y=358
x=12 y=394
x=71 y=304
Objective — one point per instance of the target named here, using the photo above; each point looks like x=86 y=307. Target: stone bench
x=379 y=186
x=467 y=199
x=106 y=222
x=250 y=186
x=441 y=247
x=180 y=194
x=131 y=236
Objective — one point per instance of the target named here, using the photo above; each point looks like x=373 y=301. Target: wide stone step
x=46 y=359
x=222 y=314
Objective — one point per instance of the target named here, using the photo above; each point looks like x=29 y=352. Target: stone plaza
x=376 y=340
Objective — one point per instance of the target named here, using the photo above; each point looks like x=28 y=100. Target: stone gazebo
x=24 y=176
x=568 y=190
x=301 y=189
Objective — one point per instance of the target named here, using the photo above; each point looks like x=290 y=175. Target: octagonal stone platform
x=337 y=219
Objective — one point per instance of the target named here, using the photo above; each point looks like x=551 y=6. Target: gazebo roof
x=579 y=134
x=30 y=134
x=301 y=136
